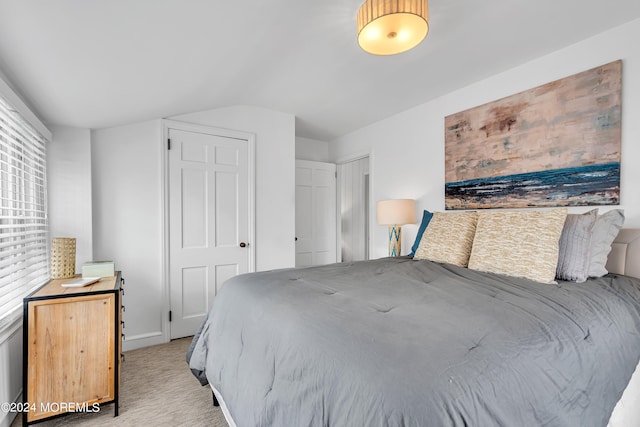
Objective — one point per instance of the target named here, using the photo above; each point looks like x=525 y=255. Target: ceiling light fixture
x=387 y=27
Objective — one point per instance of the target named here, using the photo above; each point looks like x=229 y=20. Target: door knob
x=243 y=244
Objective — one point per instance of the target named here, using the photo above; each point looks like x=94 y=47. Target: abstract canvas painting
x=555 y=145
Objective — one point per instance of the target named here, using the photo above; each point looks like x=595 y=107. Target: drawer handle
x=122 y=357
x=122 y=323
x=123 y=308
x=122 y=291
x=123 y=337
x=122 y=281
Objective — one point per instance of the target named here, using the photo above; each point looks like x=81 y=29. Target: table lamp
x=395 y=213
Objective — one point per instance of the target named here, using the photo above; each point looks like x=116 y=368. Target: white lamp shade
x=396 y=212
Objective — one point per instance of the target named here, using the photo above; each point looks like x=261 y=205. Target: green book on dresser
x=98 y=269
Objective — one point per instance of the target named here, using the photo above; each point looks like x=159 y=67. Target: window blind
x=24 y=263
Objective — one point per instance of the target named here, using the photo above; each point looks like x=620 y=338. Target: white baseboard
x=8 y=417
x=134 y=342
x=10 y=365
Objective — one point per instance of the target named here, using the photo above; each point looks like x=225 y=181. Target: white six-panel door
x=208 y=221
x=315 y=213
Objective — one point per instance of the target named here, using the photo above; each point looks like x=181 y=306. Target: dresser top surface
x=54 y=287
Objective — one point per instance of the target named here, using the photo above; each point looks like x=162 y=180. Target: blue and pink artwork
x=555 y=145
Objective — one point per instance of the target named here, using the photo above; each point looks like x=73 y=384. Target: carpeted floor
x=157 y=389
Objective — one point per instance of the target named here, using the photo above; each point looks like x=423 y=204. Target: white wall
x=275 y=176
x=10 y=370
x=69 y=189
x=312 y=149
x=127 y=222
x=408 y=148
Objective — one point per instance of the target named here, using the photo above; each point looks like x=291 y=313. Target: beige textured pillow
x=518 y=243
x=448 y=238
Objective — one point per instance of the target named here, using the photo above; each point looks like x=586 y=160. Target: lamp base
x=395 y=240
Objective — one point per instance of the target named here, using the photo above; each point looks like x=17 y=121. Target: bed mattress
x=403 y=342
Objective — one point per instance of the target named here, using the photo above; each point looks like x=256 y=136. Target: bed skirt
x=627 y=411
x=225 y=410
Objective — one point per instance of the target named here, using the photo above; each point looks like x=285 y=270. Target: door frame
x=209 y=130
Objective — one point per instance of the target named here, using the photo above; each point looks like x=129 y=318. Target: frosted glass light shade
x=396 y=212
x=388 y=27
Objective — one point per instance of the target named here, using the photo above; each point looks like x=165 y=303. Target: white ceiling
x=102 y=63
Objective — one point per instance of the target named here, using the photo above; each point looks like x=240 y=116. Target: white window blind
x=24 y=261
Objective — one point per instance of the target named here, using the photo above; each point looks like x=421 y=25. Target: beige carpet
x=157 y=389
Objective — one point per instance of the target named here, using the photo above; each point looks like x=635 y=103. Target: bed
x=417 y=343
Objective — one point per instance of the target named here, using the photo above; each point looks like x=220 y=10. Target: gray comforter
x=398 y=342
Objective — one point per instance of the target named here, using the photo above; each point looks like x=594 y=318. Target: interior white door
x=208 y=221
x=315 y=213
x=353 y=187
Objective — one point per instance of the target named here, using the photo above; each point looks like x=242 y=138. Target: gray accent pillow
x=604 y=233
x=575 y=247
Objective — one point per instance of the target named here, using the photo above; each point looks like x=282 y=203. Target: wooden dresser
x=72 y=345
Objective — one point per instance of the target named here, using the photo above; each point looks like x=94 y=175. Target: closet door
x=209 y=216
x=353 y=187
x=315 y=213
